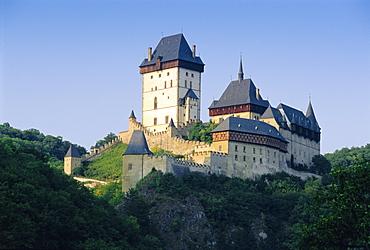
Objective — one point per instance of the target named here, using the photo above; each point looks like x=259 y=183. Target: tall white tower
x=171 y=79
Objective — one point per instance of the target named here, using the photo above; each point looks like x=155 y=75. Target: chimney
x=257 y=94
x=193 y=47
x=149 y=53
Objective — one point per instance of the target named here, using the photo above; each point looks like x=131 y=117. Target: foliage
x=159 y=151
x=347 y=157
x=321 y=165
x=108 y=138
x=201 y=132
x=55 y=147
x=111 y=192
x=107 y=167
x=43 y=208
x=345 y=222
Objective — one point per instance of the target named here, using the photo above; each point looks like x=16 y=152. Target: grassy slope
x=108 y=166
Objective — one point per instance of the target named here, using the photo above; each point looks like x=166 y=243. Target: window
x=260 y=160
x=236 y=157
x=186 y=84
x=268 y=152
x=187 y=74
x=192 y=75
x=165 y=84
x=220 y=148
x=160 y=76
x=151 y=77
x=155 y=88
x=254 y=159
x=236 y=148
x=191 y=84
x=244 y=158
x=274 y=154
x=244 y=149
x=155 y=103
x=171 y=83
x=166 y=119
x=168 y=73
x=254 y=150
x=260 y=151
x=155 y=121
x=129 y=167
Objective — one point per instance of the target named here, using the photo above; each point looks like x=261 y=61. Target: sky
x=70 y=68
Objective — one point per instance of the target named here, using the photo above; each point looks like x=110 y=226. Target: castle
x=252 y=138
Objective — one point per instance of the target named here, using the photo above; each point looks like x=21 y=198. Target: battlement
x=98 y=151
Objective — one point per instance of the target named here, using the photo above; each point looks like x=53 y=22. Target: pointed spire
x=138 y=144
x=132 y=115
x=311 y=116
x=72 y=152
x=240 y=74
x=171 y=124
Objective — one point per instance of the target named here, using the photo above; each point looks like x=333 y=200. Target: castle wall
x=302 y=149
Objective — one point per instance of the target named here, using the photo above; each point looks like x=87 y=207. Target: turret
x=71 y=160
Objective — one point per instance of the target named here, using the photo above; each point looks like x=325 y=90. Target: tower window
x=187 y=74
x=244 y=158
x=186 y=84
x=166 y=119
x=254 y=159
x=254 y=150
x=220 y=148
x=261 y=160
x=236 y=157
x=191 y=84
x=171 y=83
x=160 y=75
x=168 y=73
x=155 y=103
x=129 y=167
x=165 y=84
x=155 y=121
x=244 y=149
x=260 y=151
x=192 y=75
x=236 y=148
x=151 y=77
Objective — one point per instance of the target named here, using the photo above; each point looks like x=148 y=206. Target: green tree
x=321 y=165
x=345 y=205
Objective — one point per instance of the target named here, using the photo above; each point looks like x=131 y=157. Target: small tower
x=168 y=74
x=133 y=168
x=71 y=160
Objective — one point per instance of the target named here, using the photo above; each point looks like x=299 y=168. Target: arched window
x=155 y=103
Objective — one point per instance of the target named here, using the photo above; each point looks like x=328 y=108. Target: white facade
x=163 y=93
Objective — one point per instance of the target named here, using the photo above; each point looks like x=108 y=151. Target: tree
x=321 y=165
x=345 y=205
x=201 y=132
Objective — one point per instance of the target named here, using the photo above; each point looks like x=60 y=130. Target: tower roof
x=248 y=126
x=241 y=73
x=171 y=124
x=138 y=144
x=72 y=152
x=240 y=92
x=312 y=118
x=132 y=115
x=172 y=48
x=191 y=94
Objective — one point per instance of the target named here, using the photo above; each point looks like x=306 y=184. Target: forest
x=43 y=208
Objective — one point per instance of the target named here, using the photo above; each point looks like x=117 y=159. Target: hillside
x=108 y=166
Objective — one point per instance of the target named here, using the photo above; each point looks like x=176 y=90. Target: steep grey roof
x=312 y=118
x=72 y=152
x=171 y=48
x=295 y=116
x=132 y=115
x=248 y=126
x=271 y=112
x=191 y=94
x=171 y=124
x=138 y=144
x=239 y=92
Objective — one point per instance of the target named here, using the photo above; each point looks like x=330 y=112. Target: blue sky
x=70 y=68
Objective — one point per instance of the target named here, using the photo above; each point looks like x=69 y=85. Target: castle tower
x=133 y=160
x=171 y=84
x=71 y=160
x=241 y=99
